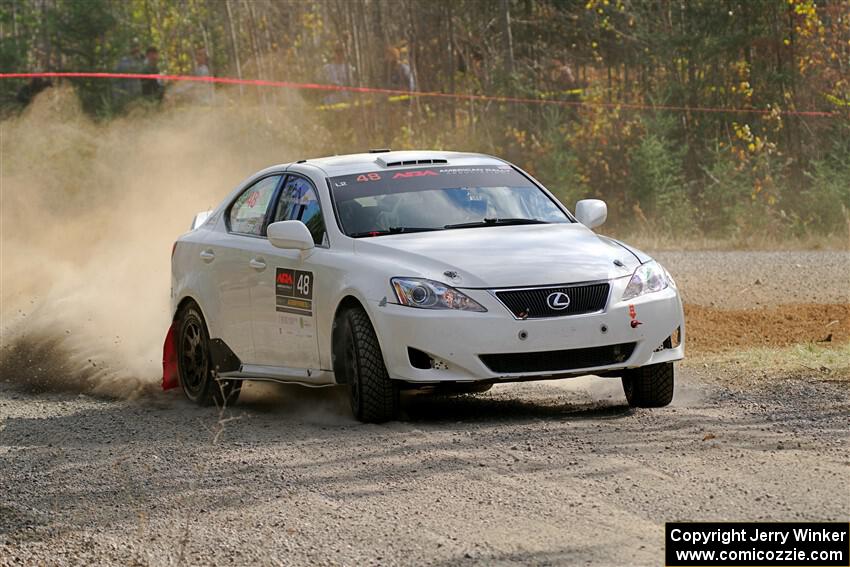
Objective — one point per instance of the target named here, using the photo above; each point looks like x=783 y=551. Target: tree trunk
x=505 y=18
x=235 y=45
x=451 y=67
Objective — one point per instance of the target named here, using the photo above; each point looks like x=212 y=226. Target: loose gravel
x=544 y=473
x=748 y=280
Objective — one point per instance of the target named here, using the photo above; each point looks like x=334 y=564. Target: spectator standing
x=398 y=75
x=202 y=66
x=561 y=74
x=128 y=89
x=195 y=92
x=337 y=72
x=204 y=91
x=152 y=88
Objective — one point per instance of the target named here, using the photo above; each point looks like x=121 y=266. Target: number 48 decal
x=303 y=284
x=369 y=177
x=294 y=283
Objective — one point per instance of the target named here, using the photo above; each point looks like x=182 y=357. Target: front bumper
x=455 y=340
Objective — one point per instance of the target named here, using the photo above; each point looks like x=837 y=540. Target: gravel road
x=746 y=280
x=542 y=473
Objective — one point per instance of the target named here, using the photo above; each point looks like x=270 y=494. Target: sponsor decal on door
x=294 y=292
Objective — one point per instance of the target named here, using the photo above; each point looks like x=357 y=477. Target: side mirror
x=200 y=219
x=290 y=234
x=591 y=212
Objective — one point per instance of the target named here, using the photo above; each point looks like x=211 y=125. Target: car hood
x=504 y=256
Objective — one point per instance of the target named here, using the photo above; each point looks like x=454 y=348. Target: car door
x=284 y=302
x=229 y=254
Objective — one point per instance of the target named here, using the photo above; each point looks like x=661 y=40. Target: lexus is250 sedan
x=433 y=270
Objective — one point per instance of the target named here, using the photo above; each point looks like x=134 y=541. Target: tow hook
x=633 y=316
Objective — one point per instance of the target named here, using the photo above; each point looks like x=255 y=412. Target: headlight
x=648 y=278
x=428 y=294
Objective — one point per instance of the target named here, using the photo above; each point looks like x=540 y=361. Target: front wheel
x=194 y=363
x=649 y=386
x=373 y=395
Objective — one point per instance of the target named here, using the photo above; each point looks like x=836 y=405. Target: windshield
x=439 y=198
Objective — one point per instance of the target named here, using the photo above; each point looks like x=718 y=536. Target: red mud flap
x=170 y=377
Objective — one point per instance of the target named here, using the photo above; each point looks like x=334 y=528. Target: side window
x=249 y=210
x=298 y=201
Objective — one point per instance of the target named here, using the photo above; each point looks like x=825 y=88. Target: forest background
x=692 y=119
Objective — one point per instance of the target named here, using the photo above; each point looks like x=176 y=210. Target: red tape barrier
x=431 y=94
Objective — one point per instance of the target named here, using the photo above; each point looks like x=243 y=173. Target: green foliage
x=824 y=206
x=558 y=164
x=658 y=185
x=724 y=205
x=81 y=30
x=14 y=47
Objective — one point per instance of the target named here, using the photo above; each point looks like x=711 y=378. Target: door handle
x=257 y=264
x=207 y=255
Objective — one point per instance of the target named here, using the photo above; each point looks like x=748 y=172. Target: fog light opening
x=673 y=341
x=676 y=338
x=424 y=361
x=419 y=359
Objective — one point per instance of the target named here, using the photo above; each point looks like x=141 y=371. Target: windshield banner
x=347 y=187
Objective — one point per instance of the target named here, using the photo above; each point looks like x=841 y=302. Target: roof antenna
x=379 y=150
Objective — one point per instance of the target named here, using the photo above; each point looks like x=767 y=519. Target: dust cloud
x=88 y=214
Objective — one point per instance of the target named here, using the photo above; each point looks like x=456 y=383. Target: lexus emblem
x=558 y=301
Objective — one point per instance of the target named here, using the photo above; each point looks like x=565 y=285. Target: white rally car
x=393 y=270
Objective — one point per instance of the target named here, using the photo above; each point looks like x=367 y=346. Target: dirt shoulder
x=713 y=330
x=751 y=300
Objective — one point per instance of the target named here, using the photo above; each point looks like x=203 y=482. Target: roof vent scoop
x=411 y=162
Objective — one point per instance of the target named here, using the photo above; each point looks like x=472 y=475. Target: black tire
x=195 y=365
x=649 y=386
x=373 y=395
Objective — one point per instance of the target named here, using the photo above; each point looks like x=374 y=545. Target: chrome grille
x=531 y=303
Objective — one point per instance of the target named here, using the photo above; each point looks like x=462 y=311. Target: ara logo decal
x=294 y=292
x=406 y=174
